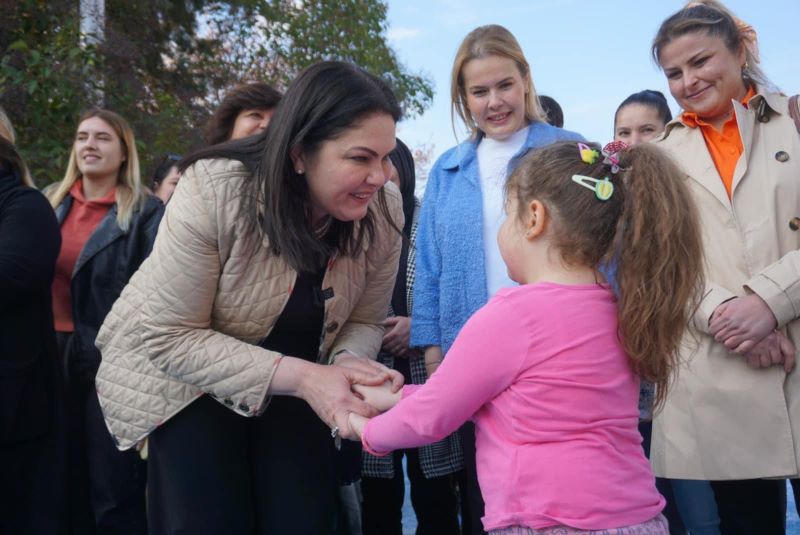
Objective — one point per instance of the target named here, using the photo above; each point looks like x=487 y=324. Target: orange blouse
x=725 y=147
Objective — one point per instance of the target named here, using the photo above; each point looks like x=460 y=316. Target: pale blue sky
x=588 y=55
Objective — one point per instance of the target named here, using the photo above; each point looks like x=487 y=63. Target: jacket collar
x=103 y=235
x=764 y=105
x=464 y=157
x=696 y=159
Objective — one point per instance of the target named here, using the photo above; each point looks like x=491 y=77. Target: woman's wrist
x=291 y=377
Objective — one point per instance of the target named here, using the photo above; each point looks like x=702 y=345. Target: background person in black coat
x=31 y=464
x=108 y=225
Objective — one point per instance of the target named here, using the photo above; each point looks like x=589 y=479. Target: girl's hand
x=773 y=350
x=381 y=397
x=741 y=323
x=357 y=423
x=326 y=389
x=368 y=372
x=397 y=336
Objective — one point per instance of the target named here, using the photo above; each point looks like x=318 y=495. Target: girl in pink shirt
x=549 y=371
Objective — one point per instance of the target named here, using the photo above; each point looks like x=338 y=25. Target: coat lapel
x=105 y=233
x=745 y=120
x=696 y=160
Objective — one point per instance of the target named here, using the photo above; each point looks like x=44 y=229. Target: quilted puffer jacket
x=190 y=320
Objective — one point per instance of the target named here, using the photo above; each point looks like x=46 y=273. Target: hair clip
x=603 y=189
x=610 y=152
x=588 y=154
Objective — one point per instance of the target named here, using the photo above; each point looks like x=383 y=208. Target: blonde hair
x=7 y=132
x=484 y=41
x=712 y=17
x=130 y=194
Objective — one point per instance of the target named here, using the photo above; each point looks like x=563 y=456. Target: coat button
x=243 y=407
x=332 y=326
x=764 y=118
x=228 y=402
x=782 y=156
x=794 y=223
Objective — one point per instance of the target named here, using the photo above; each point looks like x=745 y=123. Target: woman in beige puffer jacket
x=277 y=256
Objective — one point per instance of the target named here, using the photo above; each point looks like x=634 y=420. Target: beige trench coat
x=190 y=320
x=723 y=419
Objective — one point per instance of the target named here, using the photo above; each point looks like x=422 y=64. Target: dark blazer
x=29 y=245
x=107 y=261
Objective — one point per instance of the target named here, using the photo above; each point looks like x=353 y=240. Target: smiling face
x=98 y=149
x=495 y=95
x=251 y=122
x=345 y=173
x=704 y=75
x=637 y=123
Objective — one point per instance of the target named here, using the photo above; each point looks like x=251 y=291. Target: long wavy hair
x=321 y=104
x=130 y=194
x=649 y=229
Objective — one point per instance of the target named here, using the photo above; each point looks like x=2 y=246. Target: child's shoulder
x=544 y=297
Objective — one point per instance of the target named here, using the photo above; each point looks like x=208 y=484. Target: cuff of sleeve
x=407 y=390
x=425 y=333
x=714 y=298
x=367 y=447
x=776 y=298
x=255 y=401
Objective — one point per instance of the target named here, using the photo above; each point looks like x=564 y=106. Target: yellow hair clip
x=603 y=189
x=589 y=155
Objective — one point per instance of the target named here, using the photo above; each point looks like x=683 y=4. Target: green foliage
x=165 y=65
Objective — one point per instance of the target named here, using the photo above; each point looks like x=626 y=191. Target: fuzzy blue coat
x=450 y=282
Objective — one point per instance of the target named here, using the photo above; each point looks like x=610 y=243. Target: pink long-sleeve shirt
x=541 y=372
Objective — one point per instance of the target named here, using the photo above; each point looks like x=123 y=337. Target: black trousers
x=472 y=505
x=213 y=471
x=105 y=486
x=751 y=506
x=434 y=500
x=32 y=486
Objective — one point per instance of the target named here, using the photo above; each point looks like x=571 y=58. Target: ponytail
x=659 y=255
x=648 y=228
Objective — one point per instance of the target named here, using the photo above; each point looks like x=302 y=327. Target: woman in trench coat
x=733 y=415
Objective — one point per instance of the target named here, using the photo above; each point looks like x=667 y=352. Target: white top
x=493 y=159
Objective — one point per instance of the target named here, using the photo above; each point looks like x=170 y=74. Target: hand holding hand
x=381 y=397
x=773 y=350
x=327 y=391
x=368 y=372
x=742 y=322
x=397 y=336
x=357 y=423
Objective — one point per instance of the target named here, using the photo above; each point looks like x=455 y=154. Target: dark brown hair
x=321 y=104
x=649 y=229
x=10 y=156
x=253 y=95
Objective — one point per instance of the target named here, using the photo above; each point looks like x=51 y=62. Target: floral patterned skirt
x=654 y=526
